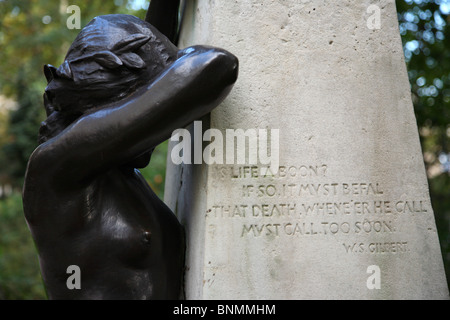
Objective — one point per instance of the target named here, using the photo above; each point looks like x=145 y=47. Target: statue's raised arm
x=119 y=126
x=164 y=15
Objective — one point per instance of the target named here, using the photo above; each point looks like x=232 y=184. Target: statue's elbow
x=228 y=68
x=219 y=66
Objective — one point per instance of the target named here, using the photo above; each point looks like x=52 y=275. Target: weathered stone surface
x=351 y=192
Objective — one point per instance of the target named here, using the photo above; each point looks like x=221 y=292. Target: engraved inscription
x=301 y=201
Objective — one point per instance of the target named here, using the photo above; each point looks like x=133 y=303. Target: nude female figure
x=122 y=90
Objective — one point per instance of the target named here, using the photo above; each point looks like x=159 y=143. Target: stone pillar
x=348 y=214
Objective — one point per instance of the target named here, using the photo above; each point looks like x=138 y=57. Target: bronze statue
x=122 y=90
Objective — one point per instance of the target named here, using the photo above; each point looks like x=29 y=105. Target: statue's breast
x=127 y=217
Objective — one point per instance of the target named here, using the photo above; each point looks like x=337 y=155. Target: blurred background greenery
x=34 y=33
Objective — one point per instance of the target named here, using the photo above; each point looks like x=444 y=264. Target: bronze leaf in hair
x=107 y=59
x=65 y=70
x=132 y=60
x=131 y=43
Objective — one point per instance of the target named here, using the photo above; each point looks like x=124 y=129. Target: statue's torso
x=127 y=243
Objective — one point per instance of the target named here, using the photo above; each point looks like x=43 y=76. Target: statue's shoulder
x=42 y=169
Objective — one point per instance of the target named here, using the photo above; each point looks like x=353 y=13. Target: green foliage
x=23 y=125
x=19 y=266
x=440 y=191
x=424 y=26
x=426 y=38
x=155 y=173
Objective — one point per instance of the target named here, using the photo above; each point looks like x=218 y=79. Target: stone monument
x=346 y=212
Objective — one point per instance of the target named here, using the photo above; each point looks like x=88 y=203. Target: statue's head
x=111 y=57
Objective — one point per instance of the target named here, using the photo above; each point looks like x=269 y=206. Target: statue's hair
x=116 y=54
x=109 y=59
x=112 y=41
